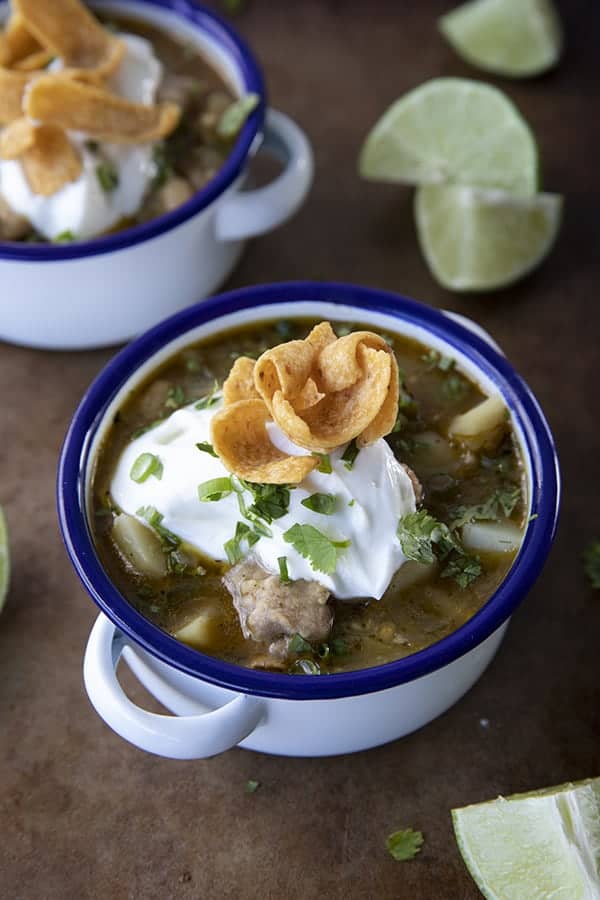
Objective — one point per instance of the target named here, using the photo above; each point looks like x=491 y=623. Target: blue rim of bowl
x=538 y=444
x=230 y=41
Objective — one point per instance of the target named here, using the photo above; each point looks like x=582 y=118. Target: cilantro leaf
x=502 y=501
x=175 y=397
x=210 y=399
x=321 y=503
x=463 y=568
x=251 y=786
x=312 y=544
x=207 y=448
x=419 y=531
x=404 y=845
x=591 y=562
x=271 y=501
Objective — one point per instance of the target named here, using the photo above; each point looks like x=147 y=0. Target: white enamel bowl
x=104 y=291
x=217 y=705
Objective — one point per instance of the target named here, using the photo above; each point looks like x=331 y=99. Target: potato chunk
x=139 y=545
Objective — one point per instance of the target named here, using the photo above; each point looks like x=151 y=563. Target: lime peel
x=4 y=559
x=453 y=130
x=478 y=240
x=539 y=844
x=515 y=38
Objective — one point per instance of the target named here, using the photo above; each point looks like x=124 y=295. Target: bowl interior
x=474 y=356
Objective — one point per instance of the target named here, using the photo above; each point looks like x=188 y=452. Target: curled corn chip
x=73 y=105
x=16 y=138
x=67 y=29
x=16 y=42
x=12 y=89
x=285 y=369
x=239 y=384
x=239 y=436
x=39 y=59
x=342 y=415
x=51 y=162
x=325 y=391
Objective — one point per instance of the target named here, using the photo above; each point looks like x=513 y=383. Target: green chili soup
x=470 y=491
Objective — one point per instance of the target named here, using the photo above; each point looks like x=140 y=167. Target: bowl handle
x=244 y=214
x=178 y=737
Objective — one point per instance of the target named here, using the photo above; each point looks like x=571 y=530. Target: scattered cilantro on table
x=404 y=845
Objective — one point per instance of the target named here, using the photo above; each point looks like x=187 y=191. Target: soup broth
x=423 y=603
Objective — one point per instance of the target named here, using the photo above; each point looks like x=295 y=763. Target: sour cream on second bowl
x=85 y=208
x=370 y=497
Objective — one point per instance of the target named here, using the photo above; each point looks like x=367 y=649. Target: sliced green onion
x=231 y=122
x=283 y=569
x=107 y=176
x=324 y=463
x=146 y=464
x=349 y=455
x=214 y=489
x=233 y=551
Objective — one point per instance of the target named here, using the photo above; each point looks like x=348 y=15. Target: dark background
x=85 y=815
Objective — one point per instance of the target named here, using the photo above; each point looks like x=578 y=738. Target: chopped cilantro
x=251 y=786
x=285 y=329
x=312 y=544
x=206 y=448
x=404 y=845
x=591 y=562
x=339 y=647
x=435 y=360
x=162 y=166
x=418 y=532
x=107 y=176
x=65 y=237
x=454 y=387
x=502 y=501
x=283 y=569
x=324 y=463
x=321 y=503
x=352 y=502
x=146 y=464
x=424 y=539
x=297 y=644
x=349 y=455
x=463 y=568
x=271 y=501
x=210 y=399
x=175 y=397
x=214 y=489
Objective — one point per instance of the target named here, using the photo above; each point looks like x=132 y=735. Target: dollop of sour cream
x=82 y=208
x=370 y=499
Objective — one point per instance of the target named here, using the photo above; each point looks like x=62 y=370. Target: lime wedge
x=452 y=130
x=508 y=37
x=478 y=240
x=535 y=846
x=4 y=559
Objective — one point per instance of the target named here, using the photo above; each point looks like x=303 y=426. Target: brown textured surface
x=85 y=815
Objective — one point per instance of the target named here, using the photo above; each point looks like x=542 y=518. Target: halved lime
x=4 y=559
x=508 y=37
x=478 y=240
x=452 y=130
x=536 y=846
